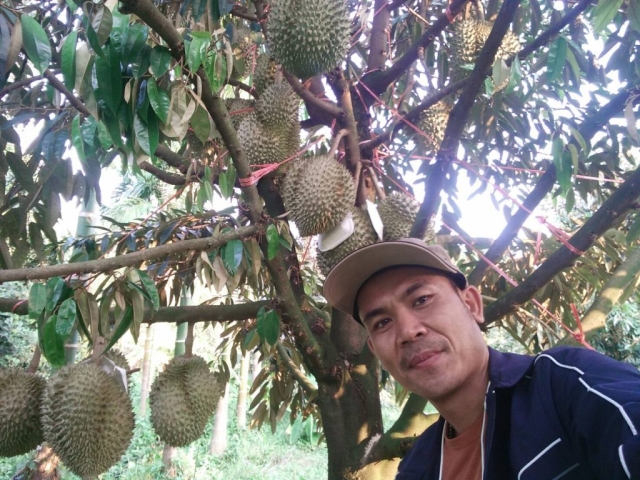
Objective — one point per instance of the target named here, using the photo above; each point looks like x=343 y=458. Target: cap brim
x=345 y=280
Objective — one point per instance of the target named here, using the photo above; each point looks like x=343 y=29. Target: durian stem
x=188 y=343
x=336 y=139
x=376 y=184
x=35 y=360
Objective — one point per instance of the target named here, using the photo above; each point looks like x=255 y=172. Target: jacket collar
x=506 y=369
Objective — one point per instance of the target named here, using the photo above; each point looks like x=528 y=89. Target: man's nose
x=410 y=327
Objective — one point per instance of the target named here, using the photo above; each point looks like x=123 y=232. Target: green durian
x=265 y=73
x=87 y=419
x=20 y=400
x=433 y=123
x=182 y=400
x=398 y=213
x=308 y=37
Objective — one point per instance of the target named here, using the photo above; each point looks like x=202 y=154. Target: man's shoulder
x=579 y=360
x=426 y=446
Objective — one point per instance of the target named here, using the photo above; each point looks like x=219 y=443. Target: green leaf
x=55 y=291
x=633 y=14
x=632 y=235
x=53 y=344
x=102 y=22
x=232 y=256
x=119 y=31
x=146 y=133
x=37 y=300
x=137 y=301
x=121 y=328
x=260 y=319
x=88 y=312
x=159 y=61
x=109 y=78
x=604 y=12
x=196 y=49
x=200 y=123
x=150 y=288
x=66 y=318
x=273 y=241
x=69 y=60
x=578 y=138
x=227 y=181
x=159 y=100
x=557 y=59
x=36 y=43
x=92 y=38
x=271 y=327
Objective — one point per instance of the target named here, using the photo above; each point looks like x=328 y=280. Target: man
x=567 y=413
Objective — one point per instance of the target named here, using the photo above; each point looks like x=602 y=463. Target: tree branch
x=166 y=177
x=587 y=129
x=596 y=317
x=304 y=381
x=242 y=86
x=458 y=119
x=131 y=259
x=310 y=99
x=378 y=45
x=172 y=159
x=240 y=12
x=613 y=208
x=73 y=100
x=19 y=84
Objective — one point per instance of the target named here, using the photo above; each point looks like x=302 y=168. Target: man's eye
x=420 y=300
x=381 y=323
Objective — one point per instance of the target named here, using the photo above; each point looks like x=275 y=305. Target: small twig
x=376 y=184
x=188 y=342
x=35 y=360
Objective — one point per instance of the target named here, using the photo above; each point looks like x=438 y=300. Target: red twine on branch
x=15 y=307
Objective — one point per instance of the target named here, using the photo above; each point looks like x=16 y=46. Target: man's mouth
x=422 y=359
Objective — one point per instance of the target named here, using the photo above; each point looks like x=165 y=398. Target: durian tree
x=304 y=115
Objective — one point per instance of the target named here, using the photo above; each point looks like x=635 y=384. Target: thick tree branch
x=131 y=259
x=458 y=119
x=166 y=177
x=325 y=105
x=296 y=372
x=242 y=86
x=173 y=159
x=73 y=100
x=190 y=313
x=587 y=129
x=378 y=45
x=240 y=12
x=613 y=208
x=595 y=318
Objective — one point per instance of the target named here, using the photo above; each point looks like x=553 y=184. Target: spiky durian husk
x=277 y=107
x=182 y=400
x=469 y=36
x=87 y=419
x=117 y=357
x=433 y=122
x=363 y=235
x=242 y=40
x=265 y=73
x=20 y=399
x=239 y=109
x=308 y=37
x=398 y=213
x=291 y=182
x=325 y=194
x=261 y=146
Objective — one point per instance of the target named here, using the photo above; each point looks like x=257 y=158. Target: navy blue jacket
x=567 y=413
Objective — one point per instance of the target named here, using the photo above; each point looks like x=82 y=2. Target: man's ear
x=472 y=298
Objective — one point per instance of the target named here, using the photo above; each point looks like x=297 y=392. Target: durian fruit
x=289 y=190
x=433 y=122
x=260 y=144
x=363 y=235
x=242 y=40
x=239 y=109
x=469 y=36
x=308 y=37
x=324 y=195
x=265 y=73
x=87 y=418
x=398 y=212
x=117 y=357
x=278 y=107
x=20 y=400
x=182 y=400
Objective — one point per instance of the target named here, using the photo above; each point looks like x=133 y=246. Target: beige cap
x=347 y=278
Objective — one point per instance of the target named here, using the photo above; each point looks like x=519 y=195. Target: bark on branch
x=166 y=177
x=73 y=100
x=458 y=119
x=297 y=373
x=128 y=260
x=588 y=129
x=613 y=208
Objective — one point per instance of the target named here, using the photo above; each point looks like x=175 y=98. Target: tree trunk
x=218 y=443
x=147 y=367
x=256 y=365
x=167 y=461
x=243 y=388
x=46 y=466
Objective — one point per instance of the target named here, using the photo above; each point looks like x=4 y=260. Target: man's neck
x=463 y=406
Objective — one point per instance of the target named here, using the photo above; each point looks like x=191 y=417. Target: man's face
x=424 y=330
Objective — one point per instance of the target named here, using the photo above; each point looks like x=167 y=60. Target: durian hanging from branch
x=308 y=37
